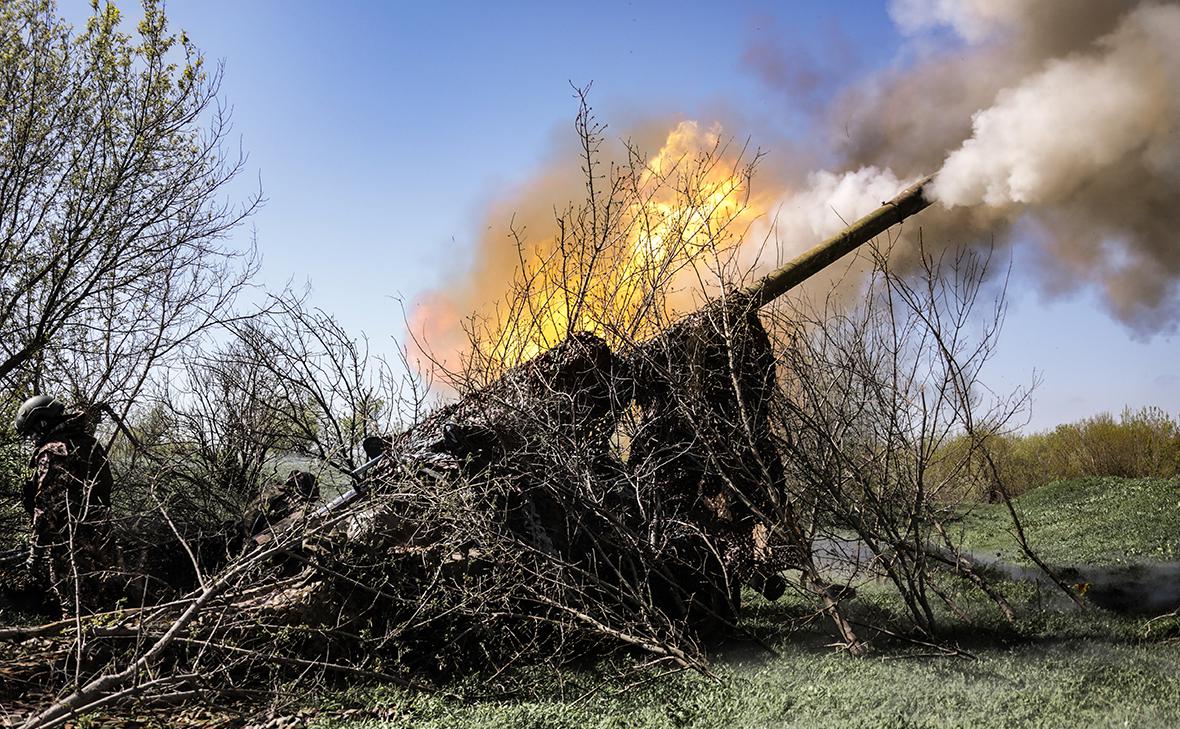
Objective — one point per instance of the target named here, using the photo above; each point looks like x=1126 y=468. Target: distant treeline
x=1137 y=443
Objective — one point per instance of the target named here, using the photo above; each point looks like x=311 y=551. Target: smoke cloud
x=1056 y=118
x=1072 y=130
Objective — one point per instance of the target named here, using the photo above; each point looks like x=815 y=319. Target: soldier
x=68 y=500
x=280 y=500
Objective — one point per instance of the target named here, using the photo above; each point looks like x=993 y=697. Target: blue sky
x=380 y=132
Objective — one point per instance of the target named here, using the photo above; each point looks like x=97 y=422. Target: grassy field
x=1062 y=685
x=1097 y=521
x=1050 y=670
x=1053 y=668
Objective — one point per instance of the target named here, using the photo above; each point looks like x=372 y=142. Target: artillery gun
x=573 y=396
x=684 y=519
x=584 y=378
x=509 y=523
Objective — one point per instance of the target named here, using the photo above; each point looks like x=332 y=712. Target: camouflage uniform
x=68 y=501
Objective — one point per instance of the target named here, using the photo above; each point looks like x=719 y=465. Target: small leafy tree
x=112 y=168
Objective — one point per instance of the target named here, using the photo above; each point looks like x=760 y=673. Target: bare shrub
x=873 y=398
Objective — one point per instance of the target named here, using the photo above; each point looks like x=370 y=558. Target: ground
x=1069 y=679
x=1054 y=668
x=1096 y=521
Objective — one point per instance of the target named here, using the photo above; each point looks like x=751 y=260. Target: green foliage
x=14 y=457
x=1138 y=444
x=111 y=168
x=13 y=472
x=111 y=175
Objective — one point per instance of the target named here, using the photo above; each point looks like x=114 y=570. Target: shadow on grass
x=1044 y=617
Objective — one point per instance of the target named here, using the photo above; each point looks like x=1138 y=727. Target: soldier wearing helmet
x=281 y=500
x=68 y=500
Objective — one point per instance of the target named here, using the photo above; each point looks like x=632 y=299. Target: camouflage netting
x=511 y=516
x=704 y=451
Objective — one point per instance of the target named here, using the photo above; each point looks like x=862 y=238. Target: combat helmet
x=38 y=414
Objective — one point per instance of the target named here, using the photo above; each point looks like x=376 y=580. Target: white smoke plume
x=1060 y=114
x=823 y=204
x=1076 y=118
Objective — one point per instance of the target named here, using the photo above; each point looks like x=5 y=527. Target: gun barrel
x=776 y=283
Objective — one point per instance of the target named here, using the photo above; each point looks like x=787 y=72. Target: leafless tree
x=873 y=397
x=329 y=392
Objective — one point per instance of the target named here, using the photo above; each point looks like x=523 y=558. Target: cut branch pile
x=505 y=528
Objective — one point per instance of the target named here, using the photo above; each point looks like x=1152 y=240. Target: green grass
x=1062 y=683
x=1051 y=669
x=1070 y=683
x=1096 y=521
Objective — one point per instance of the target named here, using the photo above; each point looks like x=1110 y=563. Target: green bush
x=13 y=520
x=1138 y=444
x=14 y=456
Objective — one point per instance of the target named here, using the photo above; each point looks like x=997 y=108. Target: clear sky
x=380 y=131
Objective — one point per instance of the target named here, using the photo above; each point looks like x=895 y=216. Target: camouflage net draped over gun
x=512 y=516
x=704 y=456
x=508 y=522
